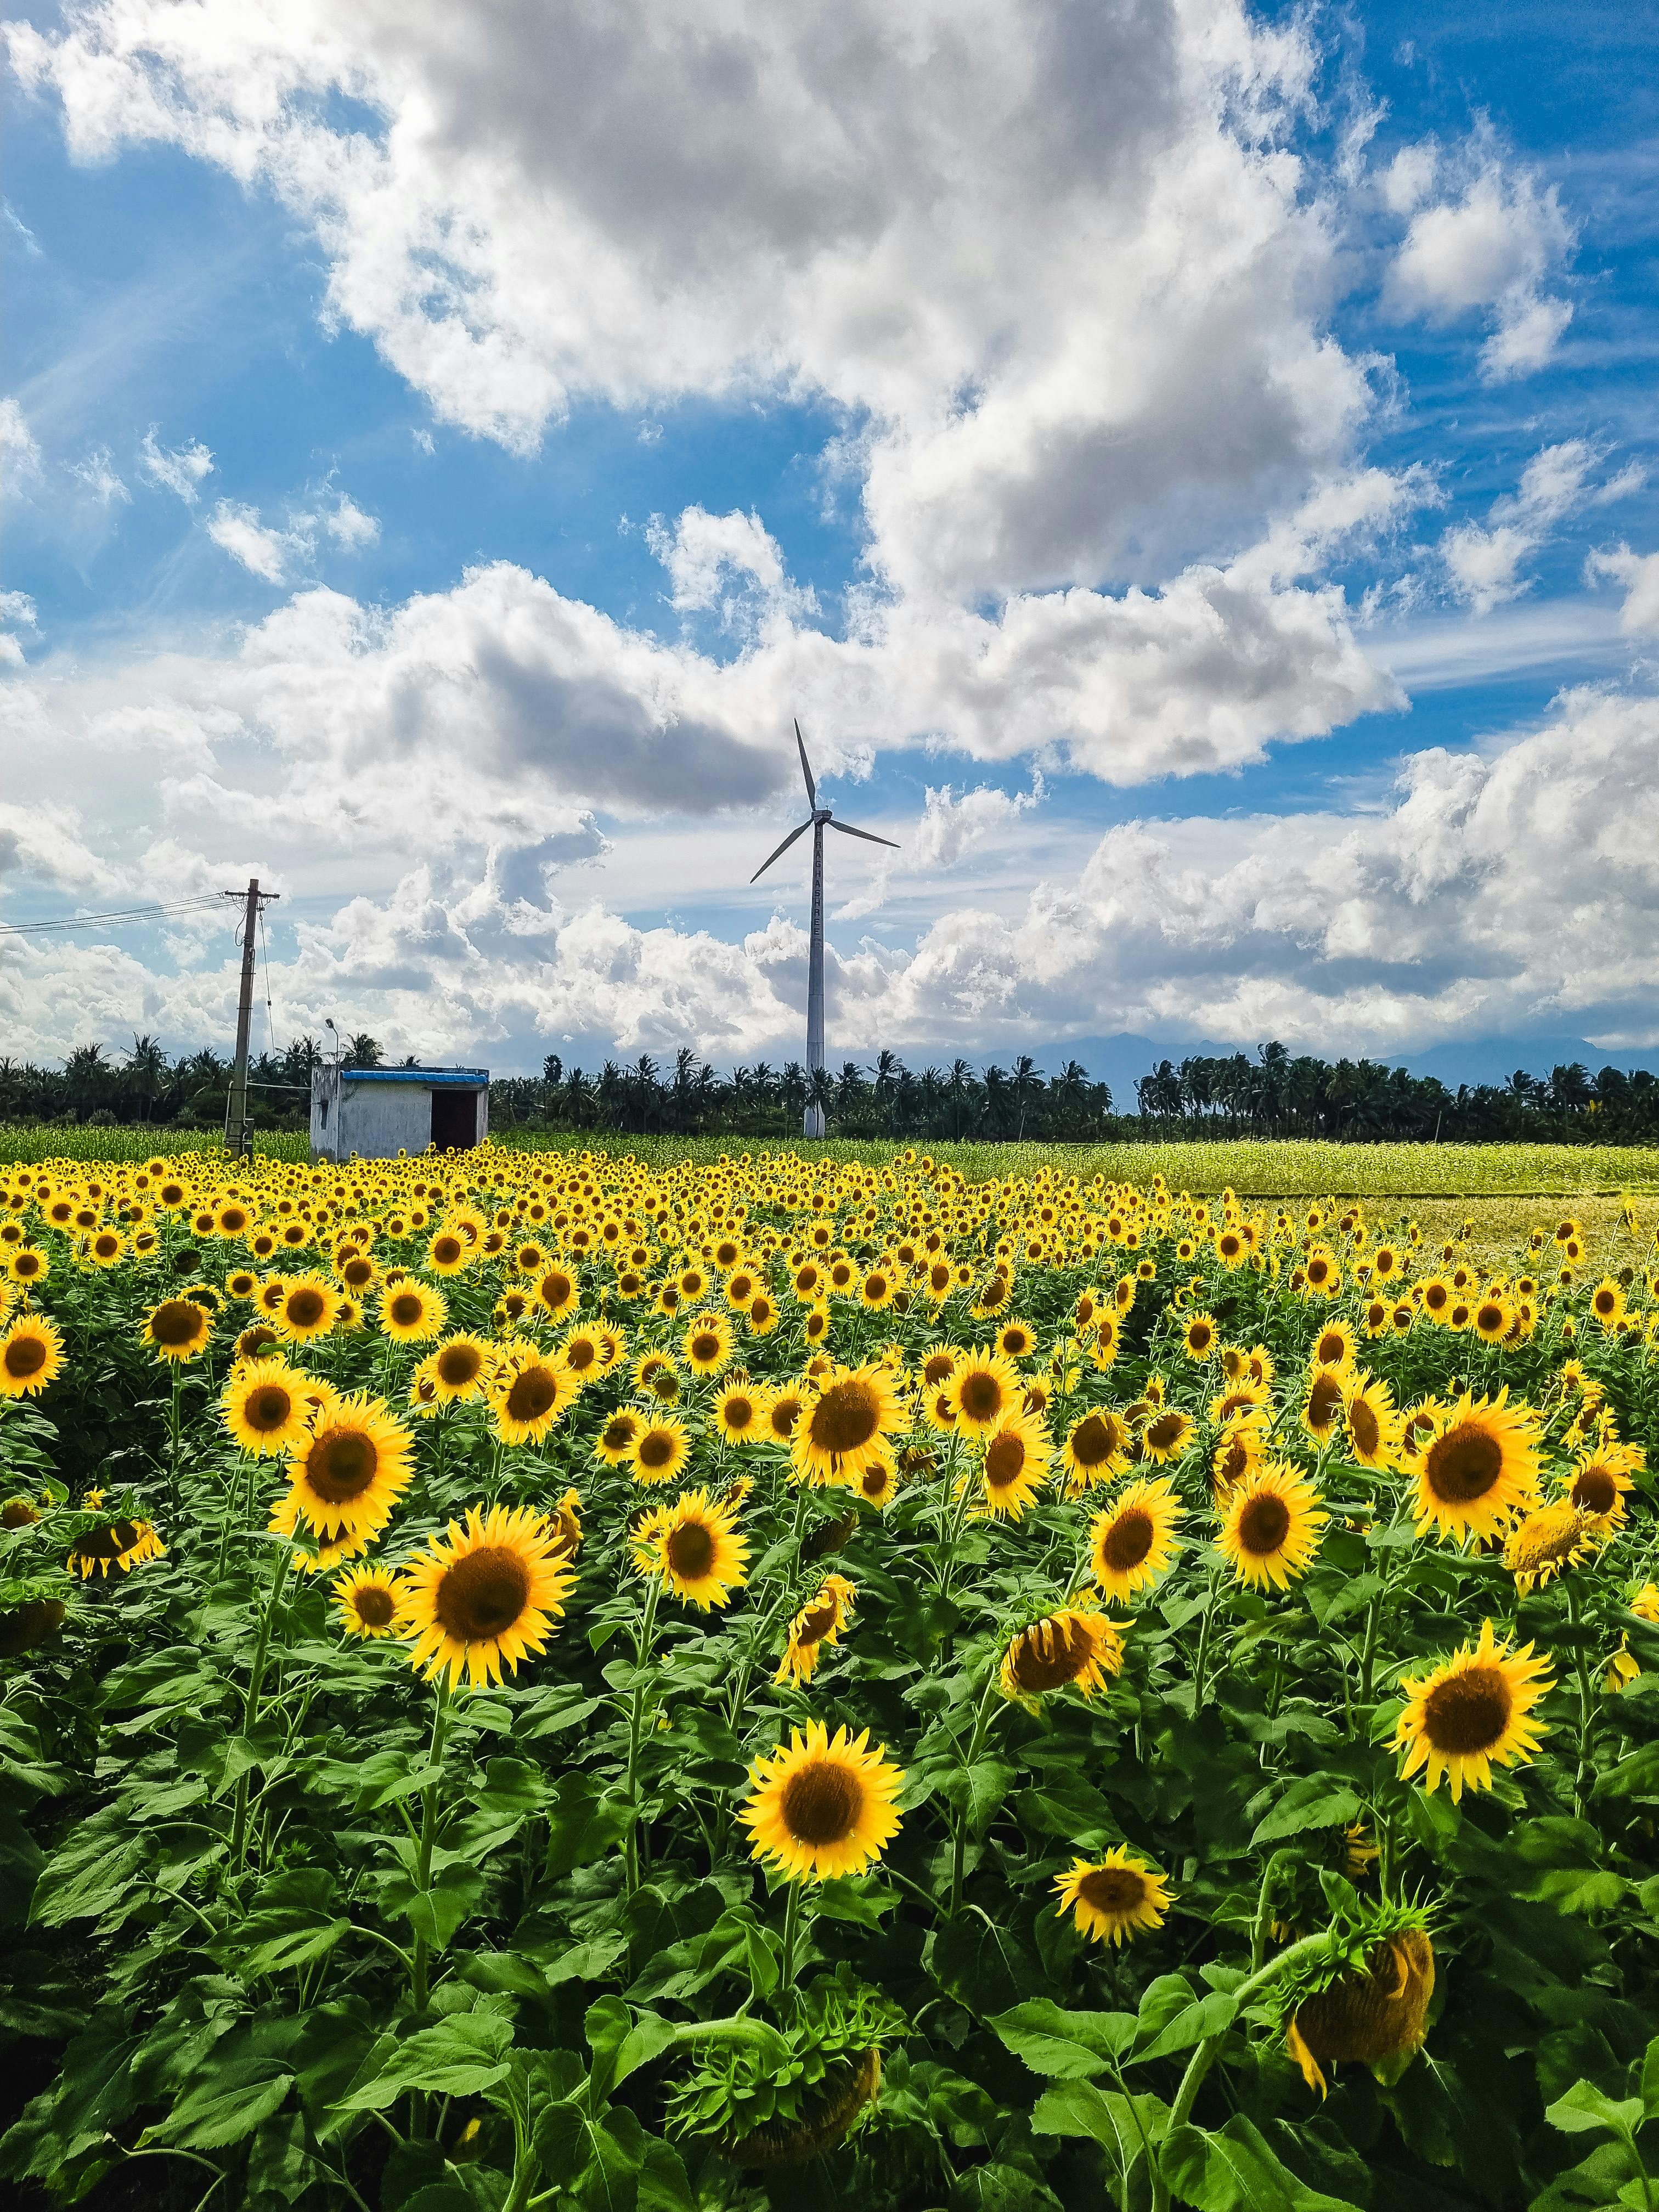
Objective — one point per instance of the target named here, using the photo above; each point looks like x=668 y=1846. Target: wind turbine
x=813 y=1124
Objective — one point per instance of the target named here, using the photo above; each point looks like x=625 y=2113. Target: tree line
x=1273 y=1093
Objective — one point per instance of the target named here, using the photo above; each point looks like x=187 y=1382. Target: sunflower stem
x=173 y=1442
x=1200 y=1665
x=1263 y=1924
x=636 y=1724
x=420 y=1963
x=250 y=1703
x=791 y=1933
x=1586 y=1703
x=975 y=1745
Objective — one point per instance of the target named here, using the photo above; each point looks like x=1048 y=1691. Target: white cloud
x=15 y=223
x=181 y=470
x=275 y=555
x=1483 y=561
x=1639 y=574
x=350 y=528
x=19 y=608
x=1489 y=247
x=731 y=562
x=97 y=472
x=19 y=457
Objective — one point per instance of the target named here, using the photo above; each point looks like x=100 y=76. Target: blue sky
x=1214 y=530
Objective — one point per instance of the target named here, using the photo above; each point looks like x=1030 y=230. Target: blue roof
x=469 y=1079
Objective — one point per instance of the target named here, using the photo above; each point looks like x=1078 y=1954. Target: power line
x=95 y=921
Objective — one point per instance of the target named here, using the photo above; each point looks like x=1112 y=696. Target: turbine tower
x=812 y=1123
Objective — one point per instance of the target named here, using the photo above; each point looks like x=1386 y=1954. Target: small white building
x=375 y=1113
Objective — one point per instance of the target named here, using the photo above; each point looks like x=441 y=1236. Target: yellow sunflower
x=1198 y=1339
x=1472 y=1709
x=1270 y=1526
x=983 y=1389
x=369 y=1601
x=412 y=1312
x=1096 y=1448
x=1374 y=1425
x=784 y=1407
x=459 y=1367
x=262 y=1408
x=1600 y=1481
x=527 y=1396
x=1132 y=1542
x=1546 y=1543
x=824 y=1807
x=122 y=1544
x=483 y=1597
x=1014 y=1467
x=1075 y=1647
x=844 y=1428
x=1113 y=1897
x=1335 y=1346
x=1241 y=1445
x=1479 y=1470
x=707 y=1343
x=660 y=1449
x=176 y=1328
x=739 y=1411
x=31 y=1356
x=816 y=1628
x=307 y=1310
x=345 y=1476
x=1323 y=1399
x=1167 y=1435
x=615 y=1442
x=694 y=1545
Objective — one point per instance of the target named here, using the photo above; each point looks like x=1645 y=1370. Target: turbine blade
x=869 y=836
x=784 y=847
x=812 y=788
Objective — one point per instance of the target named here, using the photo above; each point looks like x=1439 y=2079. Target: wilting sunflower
x=824 y=1807
x=483 y=1597
x=738 y=1412
x=412 y=1312
x=614 y=1444
x=369 y=1599
x=1013 y=1467
x=1075 y=1647
x=984 y=1388
x=122 y=1544
x=694 y=1546
x=816 y=1628
x=1545 y=1542
x=1479 y=1468
x=176 y=1328
x=345 y=1476
x=1241 y=1445
x=459 y=1367
x=1375 y=2014
x=1270 y=1526
x=1374 y=1425
x=527 y=1396
x=307 y=1310
x=1132 y=1542
x=1097 y=1449
x=844 y=1429
x=263 y=1407
x=1113 y=1897
x=1472 y=1709
x=31 y=1356
x=660 y=1449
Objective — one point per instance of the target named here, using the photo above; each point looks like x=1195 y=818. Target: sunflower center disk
x=267 y=1408
x=533 y=1393
x=982 y=1397
x=457 y=1366
x=1468 y=1713
x=1264 y=1524
x=821 y=1804
x=845 y=1417
x=690 y=1552
x=25 y=1356
x=1127 y=1540
x=482 y=1595
x=1112 y=1889
x=374 y=1608
x=342 y=1465
x=1005 y=1459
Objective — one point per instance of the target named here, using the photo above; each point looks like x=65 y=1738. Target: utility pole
x=238 y=1124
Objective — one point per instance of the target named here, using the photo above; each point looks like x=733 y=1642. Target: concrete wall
x=377 y=1119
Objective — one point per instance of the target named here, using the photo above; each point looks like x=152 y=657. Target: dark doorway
x=454 y=1119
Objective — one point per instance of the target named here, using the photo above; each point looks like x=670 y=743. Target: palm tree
x=1028 y=1077
x=147 y=1067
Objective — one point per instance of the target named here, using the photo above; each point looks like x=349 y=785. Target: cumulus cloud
x=181 y=470
x=350 y=527
x=271 y=554
x=20 y=456
x=1489 y=246
x=1483 y=561
x=16 y=608
x=1639 y=574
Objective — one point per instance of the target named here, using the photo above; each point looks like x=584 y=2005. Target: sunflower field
x=569 y=1680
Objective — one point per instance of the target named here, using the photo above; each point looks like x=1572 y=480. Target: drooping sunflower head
x=1479 y=1468
x=1074 y=1648
x=119 y=1544
x=1133 y=1542
x=351 y=1467
x=264 y=1408
x=1472 y=1709
x=176 y=1328
x=1114 y=1899
x=31 y=1356
x=816 y=1628
x=369 y=1601
x=1271 y=1523
x=822 y=1806
x=1547 y=1541
x=481 y=1598
x=1365 y=2004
